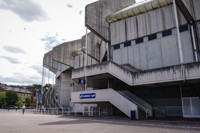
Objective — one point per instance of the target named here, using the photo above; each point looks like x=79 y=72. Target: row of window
x=153 y=36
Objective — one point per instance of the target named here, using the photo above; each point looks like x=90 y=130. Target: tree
x=28 y=100
x=37 y=86
x=34 y=101
x=19 y=102
x=47 y=87
x=11 y=97
x=2 y=98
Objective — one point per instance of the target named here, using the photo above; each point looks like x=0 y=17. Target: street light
x=85 y=59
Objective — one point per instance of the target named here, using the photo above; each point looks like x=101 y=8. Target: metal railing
x=53 y=110
x=147 y=108
x=67 y=111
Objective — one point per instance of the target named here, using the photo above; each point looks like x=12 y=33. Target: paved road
x=15 y=122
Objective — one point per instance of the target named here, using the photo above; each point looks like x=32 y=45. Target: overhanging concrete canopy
x=138 y=8
x=163 y=75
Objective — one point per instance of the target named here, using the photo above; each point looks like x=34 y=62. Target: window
x=116 y=46
x=139 y=40
x=152 y=37
x=167 y=33
x=183 y=28
x=126 y=44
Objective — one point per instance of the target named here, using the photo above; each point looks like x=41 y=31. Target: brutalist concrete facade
x=135 y=48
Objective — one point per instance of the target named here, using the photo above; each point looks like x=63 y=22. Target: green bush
x=2 y=98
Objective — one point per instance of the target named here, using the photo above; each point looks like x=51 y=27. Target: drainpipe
x=180 y=47
x=48 y=75
x=41 y=86
x=53 y=79
x=43 y=72
x=108 y=52
x=194 y=43
x=43 y=82
x=108 y=83
x=178 y=33
x=181 y=95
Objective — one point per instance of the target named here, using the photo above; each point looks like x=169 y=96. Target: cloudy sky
x=30 y=28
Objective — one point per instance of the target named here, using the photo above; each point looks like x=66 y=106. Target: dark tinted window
x=167 y=33
x=116 y=46
x=183 y=28
x=126 y=44
x=152 y=37
x=139 y=40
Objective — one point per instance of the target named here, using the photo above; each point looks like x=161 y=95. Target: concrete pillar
x=63 y=89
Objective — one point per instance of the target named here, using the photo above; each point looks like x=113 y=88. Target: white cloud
x=37 y=68
x=10 y=59
x=51 y=41
x=14 y=50
x=27 y=10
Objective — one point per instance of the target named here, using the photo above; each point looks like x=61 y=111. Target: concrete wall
x=196 y=4
x=60 y=58
x=118 y=32
x=93 y=44
x=47 y=61
x=157 y=53
x=63 y=54
x=103 y=50
x=65 y=88
x=79 y=61
x=62 y=89
x=57 y=91
x=144 y=24
x=198 y=30
x=170 y=74
x=96 y=13
x=189 y=6
x=93 y=50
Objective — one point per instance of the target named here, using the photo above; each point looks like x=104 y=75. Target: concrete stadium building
x=140 y=59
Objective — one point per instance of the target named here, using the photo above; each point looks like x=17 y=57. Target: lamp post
x=85 y=59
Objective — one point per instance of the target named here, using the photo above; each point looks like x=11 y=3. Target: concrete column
x=65 y=93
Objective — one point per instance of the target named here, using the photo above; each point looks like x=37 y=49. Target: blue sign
x=87 y=96
x=38 y=96
x=82 y=81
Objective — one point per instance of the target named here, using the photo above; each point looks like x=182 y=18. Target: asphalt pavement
x=15 y=122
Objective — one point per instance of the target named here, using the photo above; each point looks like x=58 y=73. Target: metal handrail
x=142 y=104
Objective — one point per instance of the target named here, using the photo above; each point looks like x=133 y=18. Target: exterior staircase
x=123 y=100
x=144 y=106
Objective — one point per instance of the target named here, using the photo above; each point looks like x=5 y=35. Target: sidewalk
x=186 y=124
x=175 y=123
x=15 y=122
